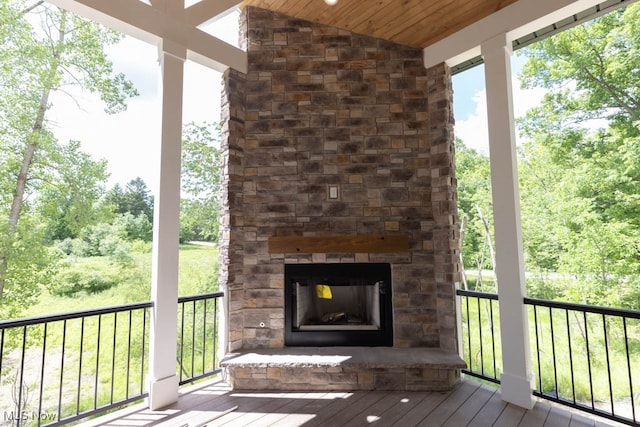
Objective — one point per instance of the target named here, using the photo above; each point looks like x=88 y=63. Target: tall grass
x=197 y=338
x=198 y=270
x=586 y=357
x=100 y=347
x=65 y=366
x=197 y=273
x=481 y=336
x=576 y=357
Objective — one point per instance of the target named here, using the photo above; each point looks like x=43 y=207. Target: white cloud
x=202 y=94
x=130 y=141
x=474 y=130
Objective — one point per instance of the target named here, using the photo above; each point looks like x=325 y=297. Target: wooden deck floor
x=469 y=404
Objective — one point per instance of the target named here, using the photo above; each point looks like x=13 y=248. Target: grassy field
x=568 y=350
x=197 y=274
x=82 y=355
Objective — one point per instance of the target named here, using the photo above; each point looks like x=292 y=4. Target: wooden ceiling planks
x=417 y=23
x=443 y=22
x=411 y=24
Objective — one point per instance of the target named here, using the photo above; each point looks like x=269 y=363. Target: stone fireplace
x=338 y=150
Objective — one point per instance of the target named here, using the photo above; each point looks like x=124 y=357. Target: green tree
x=26 y=266
x=474 y=199
x=544 y=207
x=70 y=195
x=591 y=73
x=200 y=182
x=63 y=51
x=136 y=227
x=580 y=179
x=135 y=199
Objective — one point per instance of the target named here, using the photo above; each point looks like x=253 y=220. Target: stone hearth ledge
x=343 y=368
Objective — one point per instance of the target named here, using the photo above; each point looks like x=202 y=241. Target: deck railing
x=197 y=336
x=481 y=335
x=61 y=368
x=587 y=357
x=583 y=356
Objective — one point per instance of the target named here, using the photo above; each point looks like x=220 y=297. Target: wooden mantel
x=376 y=243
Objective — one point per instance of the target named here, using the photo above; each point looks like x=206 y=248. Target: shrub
x=72 y=282
x=135 y=227
x=542 y=288
x=140 y=247
x=66 y=246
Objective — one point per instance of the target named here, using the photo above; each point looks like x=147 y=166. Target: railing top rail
x=584 y=307
x=485 y=295
x=26 y=321
x=188 y=298
x=610 y=311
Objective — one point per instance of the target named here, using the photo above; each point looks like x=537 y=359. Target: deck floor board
x=489 y=413
x=470 y=403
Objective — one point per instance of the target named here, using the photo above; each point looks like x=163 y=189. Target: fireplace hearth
x=338 y=304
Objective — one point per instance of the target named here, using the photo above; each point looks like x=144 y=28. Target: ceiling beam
x=206 y=10
x=516 y=20
x=155 y=23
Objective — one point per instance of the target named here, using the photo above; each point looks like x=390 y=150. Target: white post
x=517 y=379
x=163 y=381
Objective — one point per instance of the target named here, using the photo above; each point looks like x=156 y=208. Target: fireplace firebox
x=338 y=304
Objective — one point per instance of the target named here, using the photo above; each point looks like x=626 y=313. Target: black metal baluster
x=44 y=352
x=193 y=340
x=113 y=354
x=493 y=341
x=553 y=353
x=1 y=353
x=144 y=335
x=128 y=355
x=182 y=342
x=469 y=334
x=95 y=390
x=64 y=344
x=215 y=332
x=606 y=350
x=573 y=383
x=204 y=338
x=626 y=346
x=535 y=320
x=80 y=365
x=586 y=338
x=20 y=384
x=480 y=337
x=64 y=413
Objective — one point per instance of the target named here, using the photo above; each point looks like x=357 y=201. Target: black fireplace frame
x=337 y=272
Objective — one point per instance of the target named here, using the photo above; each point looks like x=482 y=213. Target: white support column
x=516 y=379
x=163 y=381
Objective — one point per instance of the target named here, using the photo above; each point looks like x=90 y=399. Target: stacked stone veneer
x=319 y=106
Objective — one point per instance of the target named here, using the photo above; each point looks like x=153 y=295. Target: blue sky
x=470 y=82
x=466 y=84
x=469 y=103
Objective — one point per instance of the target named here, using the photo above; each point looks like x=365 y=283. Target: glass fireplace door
x=338 y=304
